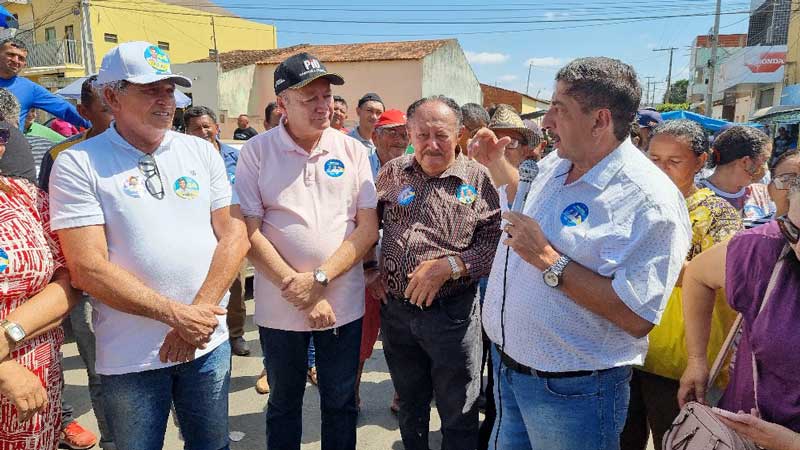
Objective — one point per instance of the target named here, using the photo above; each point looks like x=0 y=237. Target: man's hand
x=527 y=239
x=321 y=315
x=301 y=290
x=23 y=388
x=426 y=280
x=765 y=434
x=486 y=148
x=376 y=285
x=694 y=381
x=195 y=323
x=175 y=349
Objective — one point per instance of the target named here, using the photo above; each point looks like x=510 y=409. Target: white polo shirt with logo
x=168 y=244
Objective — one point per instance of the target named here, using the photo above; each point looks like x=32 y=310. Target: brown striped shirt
x=426 y=218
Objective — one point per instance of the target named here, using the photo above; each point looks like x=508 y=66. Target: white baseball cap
x=140 y=63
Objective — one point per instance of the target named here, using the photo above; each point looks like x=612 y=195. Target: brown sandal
x=312 y=375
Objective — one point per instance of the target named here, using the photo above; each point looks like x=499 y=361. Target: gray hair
x=14 y=42
x=117 y=87
x=600 y=82
x=475 y=115
x=690 y=132
x=447 y=101
x=9 y=106
x=197 y=111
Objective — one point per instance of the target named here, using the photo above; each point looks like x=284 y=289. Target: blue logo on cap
x=334 y=168
x=466 y=194
x=406 y=196
x=3 y=260
x=157 y=59
x=574 y=214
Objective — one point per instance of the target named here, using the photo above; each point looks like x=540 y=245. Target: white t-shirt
x=168 y=244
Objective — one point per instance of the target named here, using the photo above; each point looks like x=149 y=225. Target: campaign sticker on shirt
x=186 y=188
x=157 y=59
x=406 y=196
x=753 y=212
x=3 y=260
x=574 y=214
x=133 y=186
x=466 y=194
x=334 y=168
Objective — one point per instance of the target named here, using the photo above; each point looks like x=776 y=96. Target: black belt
x=467 y=293
x=525 y=370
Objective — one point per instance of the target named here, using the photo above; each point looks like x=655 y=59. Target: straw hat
x=506 y=118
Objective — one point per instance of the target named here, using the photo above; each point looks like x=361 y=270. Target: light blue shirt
x=375 y=165
x=365 y=142
x=625 y=220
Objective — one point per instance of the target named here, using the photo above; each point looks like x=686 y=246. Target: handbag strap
x=736 y=328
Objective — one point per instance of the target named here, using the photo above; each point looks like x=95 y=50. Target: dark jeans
x=287 y=365
x=653 y=407
x=436 y=352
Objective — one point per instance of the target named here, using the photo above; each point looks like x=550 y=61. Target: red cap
x=391 y=118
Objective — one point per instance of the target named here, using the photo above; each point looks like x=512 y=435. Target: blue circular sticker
x=753 y=212
x=186 y=188
x=3 y=260
x=466 y=194
x=334 y=168
x=157 y=59
x=406 y=196
x=574 y=214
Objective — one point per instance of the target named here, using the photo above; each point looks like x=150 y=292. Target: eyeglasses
x=789 y=230
x=515 y=144
x=5 y=134
x=395 y=132
x=152 y=181
x=785 y=182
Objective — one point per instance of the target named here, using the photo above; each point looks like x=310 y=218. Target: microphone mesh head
x=528 y=171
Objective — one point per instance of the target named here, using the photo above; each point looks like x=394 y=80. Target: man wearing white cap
x=146 y=224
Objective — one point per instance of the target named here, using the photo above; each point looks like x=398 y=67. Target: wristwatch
x=454 y=267
x=15 y=332
x=552 y=276
x=321 y=277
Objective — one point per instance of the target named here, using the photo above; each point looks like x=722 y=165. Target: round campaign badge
x=574 y=214
x=406 y=196
x=157 y=59
x=334 y=168
x=466 y=194
x=133 y=186
x=3 y=260
x=186 y=188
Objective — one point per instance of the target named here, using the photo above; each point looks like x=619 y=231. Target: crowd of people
x=573 y=279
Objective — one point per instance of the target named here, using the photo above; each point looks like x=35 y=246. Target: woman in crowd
x=739 y=158
x=744 y=266
x=680 y=149
x=36 y=295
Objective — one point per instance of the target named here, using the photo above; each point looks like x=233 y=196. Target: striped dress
x=29 y=255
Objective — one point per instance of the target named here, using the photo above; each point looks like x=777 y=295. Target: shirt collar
x=459 y=168
x=325 y=144
x=601 y=174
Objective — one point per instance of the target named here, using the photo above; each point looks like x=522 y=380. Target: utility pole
x=647 y=92
x=669 y=73
x=653 y=94
x=712 y=63
x=528 y=84
x=87 y=44
x=214 y=36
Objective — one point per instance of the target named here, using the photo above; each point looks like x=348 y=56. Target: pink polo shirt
x=307 y=204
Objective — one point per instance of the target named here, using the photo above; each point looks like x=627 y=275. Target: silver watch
x=552 y=276
x=14 y=331
x=454 y=267
x=321 y=277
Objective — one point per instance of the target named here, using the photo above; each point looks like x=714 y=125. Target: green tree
x=677 y=92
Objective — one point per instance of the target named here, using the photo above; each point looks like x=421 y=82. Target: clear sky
x=502 y=37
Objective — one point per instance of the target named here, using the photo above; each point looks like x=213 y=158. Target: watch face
x=551 y=279
x=16 y=333
x=319 y=276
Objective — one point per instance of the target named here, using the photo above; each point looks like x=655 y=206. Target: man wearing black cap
x=310 y=226
x=647 y=119
x=370 y=107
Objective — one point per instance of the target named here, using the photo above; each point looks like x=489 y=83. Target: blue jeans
x=287 y=365
x=536 y=413
x=312 y=360
x=138 y=404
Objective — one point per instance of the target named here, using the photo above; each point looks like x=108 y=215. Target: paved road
x=377 y=426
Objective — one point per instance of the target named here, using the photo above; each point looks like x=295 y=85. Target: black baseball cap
x=370 y=97
x=299 y=70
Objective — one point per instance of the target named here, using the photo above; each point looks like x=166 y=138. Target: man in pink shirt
x=309 y=202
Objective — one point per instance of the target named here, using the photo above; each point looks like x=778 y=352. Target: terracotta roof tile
x=370 y=51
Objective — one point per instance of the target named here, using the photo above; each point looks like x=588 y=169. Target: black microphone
x=527 y=173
